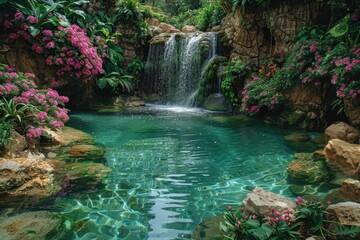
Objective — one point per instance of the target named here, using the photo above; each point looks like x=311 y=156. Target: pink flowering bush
x=309 y=218
x=68 y=49
x=259 y=95
x=44 y=107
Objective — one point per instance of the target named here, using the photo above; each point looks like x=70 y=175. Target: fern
x=340 y=230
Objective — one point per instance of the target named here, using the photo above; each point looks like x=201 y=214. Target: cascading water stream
x=174 y=70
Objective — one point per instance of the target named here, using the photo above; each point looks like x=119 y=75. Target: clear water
x=173 y=167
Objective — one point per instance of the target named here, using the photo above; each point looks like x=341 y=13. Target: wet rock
x=70 y=136
x=296 y=117
x=189 y=29
x=343 y=131
x=217 y=102
x=348 y=213
x=24 y=177
x=260 y=202
x=95 y=171
x=352 y=112
x=155 y=30
x=39 y=225
x=161 y=38
x=303 y=169
x=86 y=151
x=216 y=28
x=344 y=155
x=208 y=229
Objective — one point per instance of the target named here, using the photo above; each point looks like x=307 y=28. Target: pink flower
x=50 y=45
x=313 y=48
x=7 y=24
x=13 y=36
x=58 y=61
x=47 y=33
x=32 y=19
x=19 y=15
x=49 y=60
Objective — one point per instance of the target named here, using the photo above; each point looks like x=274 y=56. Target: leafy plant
x=243 y=225
x=27 y=108
x=115 y=80
x=234 y=71
x=5 y=130
x=11 y=111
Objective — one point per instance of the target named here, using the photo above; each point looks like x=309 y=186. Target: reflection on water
x=172 y=168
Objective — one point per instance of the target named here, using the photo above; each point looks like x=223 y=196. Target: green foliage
x=39 y=11
x=310 y=218
x=11 y=111
x=128 y=11
x=234 y=71
x=5 y=130
x=243 y=225
x=115 y=81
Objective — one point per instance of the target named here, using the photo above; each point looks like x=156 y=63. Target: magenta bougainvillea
x=45 y=107
x=68 y=49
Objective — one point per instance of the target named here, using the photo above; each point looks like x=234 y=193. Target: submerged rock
x=260 y=202
x=343 y=131
x=208 y=229
x=41 y=225
x=301 y=142
x=86 y=151
x=344 y=155
x=305 y=170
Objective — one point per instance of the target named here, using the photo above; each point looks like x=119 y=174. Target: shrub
x=27 y=108
x=309 y=218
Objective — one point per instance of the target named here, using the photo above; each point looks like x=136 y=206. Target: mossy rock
x=300 y=142
x=86 y=150
x=217 y=102
x=208 y=229
x=80 y=171
x=40 y=225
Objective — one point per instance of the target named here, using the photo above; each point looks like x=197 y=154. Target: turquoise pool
x=173 y=167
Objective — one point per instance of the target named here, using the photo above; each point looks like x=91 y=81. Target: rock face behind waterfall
x=175 y=65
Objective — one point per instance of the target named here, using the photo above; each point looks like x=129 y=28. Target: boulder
x=40 y=225
x=305 y=170
x=217 y=102
x=348 y=213
x=352 y=112
x=161 y=38
x=15 y=146
x=86 y=151
x=261 y=202
x=153 y=21
x=165 y=27
x=351 y=188
x=343 y=131
x=344 y=155
x=155 y=30
x=69 y=136
x=173 y=30
x=24 y=177
x=189 y=29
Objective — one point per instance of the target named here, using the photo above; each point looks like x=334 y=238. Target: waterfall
x=174 y=69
